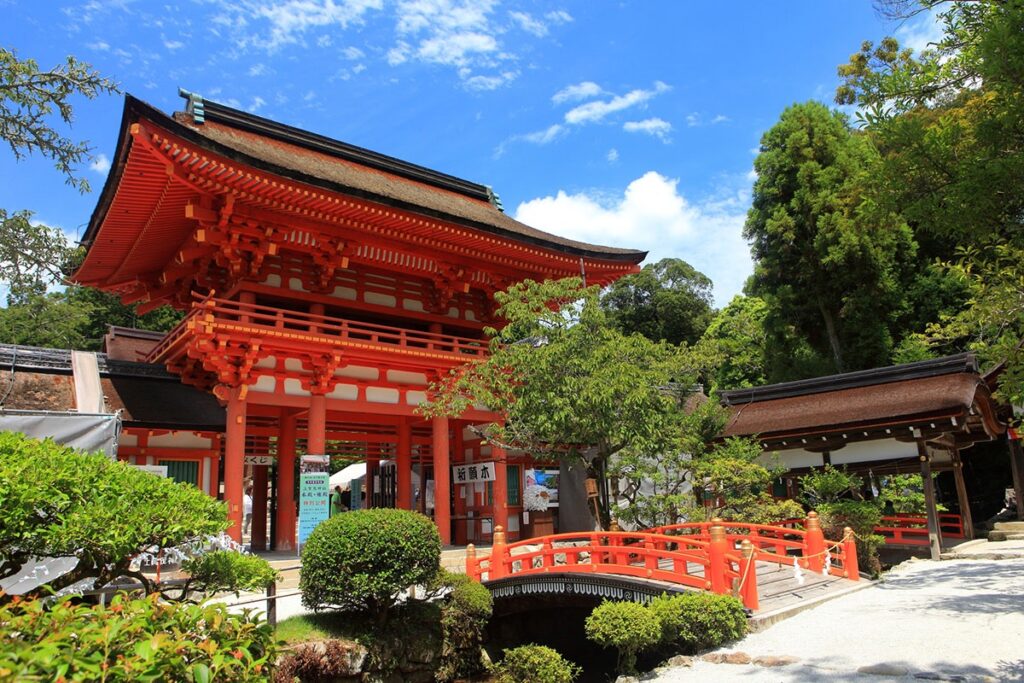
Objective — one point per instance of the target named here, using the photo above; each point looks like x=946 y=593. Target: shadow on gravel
x=1010 y=671
x=984 y=584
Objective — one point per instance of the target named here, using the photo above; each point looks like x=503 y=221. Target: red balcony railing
x=221 y=315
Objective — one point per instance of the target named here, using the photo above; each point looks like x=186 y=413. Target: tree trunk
x=833 y=337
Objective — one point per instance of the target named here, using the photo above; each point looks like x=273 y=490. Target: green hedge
x=362 y=560
x=699 y=621
x=534 y=664
x=132 y=641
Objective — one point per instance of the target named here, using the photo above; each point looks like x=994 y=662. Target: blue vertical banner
x=314 y=502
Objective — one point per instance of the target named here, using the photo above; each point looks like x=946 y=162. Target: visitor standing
x=247 y=509
x=337 y=506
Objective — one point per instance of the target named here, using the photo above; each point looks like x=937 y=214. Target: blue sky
x=632 y=124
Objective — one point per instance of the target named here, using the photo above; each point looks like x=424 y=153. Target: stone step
x=996 y=536
x=1010 y=527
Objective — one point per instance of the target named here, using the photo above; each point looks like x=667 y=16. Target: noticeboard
x=314 y=499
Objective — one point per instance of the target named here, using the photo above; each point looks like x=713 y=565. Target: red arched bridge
x=746 y=560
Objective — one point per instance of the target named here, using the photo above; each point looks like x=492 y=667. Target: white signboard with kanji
x=473 y=473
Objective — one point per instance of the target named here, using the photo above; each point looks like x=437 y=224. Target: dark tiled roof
x=148 y=395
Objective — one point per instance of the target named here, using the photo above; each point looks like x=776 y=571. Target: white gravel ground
x=952 y=620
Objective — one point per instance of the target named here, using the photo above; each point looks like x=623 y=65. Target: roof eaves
x=963 y=362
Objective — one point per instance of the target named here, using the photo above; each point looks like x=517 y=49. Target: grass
x=305 y=627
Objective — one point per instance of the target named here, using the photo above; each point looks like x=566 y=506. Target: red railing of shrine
x=269 y=321
x=906 y=529
x=717 y=556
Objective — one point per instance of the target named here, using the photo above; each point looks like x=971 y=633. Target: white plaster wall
x=405 y=377
x=414 y=398
x=382 y=395
x=358 y=372
x=379 y=299
x=179 y=440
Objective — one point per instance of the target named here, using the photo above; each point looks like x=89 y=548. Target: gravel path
x=953 y=620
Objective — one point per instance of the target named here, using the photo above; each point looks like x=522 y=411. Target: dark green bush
x=465 y=610
x=629 y=627
x=862 y=516
x=692 y=622
x=362 y=560
x=130 y=641
x=534 y=664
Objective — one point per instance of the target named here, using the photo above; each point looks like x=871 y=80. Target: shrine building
x=325 y=287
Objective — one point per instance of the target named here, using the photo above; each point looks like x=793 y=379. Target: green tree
x=735 y=343
x=60 y=503
x=29 y=97
x=949 y=122
x=669 y=300
x=829 y=266
x=566 y=380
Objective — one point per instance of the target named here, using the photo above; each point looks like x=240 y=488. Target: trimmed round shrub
x=629 y=627
x=535 y=664
x=699 y=621
x=465 y=610
x=362 y=560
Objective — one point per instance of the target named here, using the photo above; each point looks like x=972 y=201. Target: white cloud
x=592 y=112
x=612 y=156
x=324 y=41
x=353 y=53
x=173 y=44
x=693 y=119
x=719 y=118
x=257 y=104
x=577 y=92
x=99 y=45
x=543 y=137
x=490 y=82
x=526 y=22
x=100 y=164
x=655 y=126
x=652 y=214
x=921 y=33
x=258 y=69
x=273 y=24
x=558 y=17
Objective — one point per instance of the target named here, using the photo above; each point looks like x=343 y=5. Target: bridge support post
x=814 y=543
x=717 y=548
x=748 y=576
x=499 y=555
x=850 y=555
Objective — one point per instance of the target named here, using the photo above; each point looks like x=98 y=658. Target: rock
x=783 y=660
x=627 y=679
x=679 y=660
x=727 y=658
x=936 y=676
x=884 y=670
x=996 y=536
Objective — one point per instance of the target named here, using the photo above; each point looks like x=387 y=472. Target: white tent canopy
x=344 y=476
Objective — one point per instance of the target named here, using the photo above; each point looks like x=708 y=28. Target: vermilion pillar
x=234 y=462
x=286 y=513
x=442 y=479
x=459 y=490
x=316 y=432
x=403 y=465
x=258 y=526
x=500 y=486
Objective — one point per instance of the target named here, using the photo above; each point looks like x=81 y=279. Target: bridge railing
x=717 y=556
x=907 y=529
